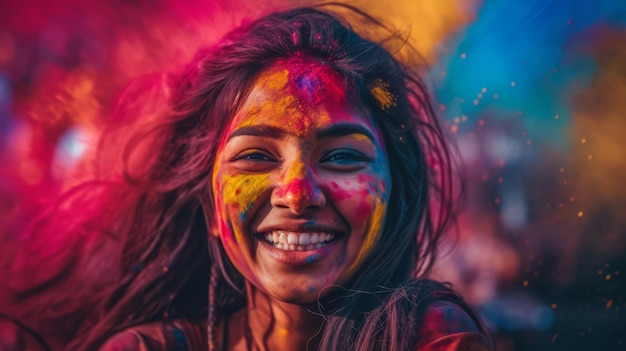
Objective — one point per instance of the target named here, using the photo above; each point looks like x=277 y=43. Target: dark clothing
x=446 y=327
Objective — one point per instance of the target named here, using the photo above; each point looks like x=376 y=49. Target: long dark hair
x=163 y=201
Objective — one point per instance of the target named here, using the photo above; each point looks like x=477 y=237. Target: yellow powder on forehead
x=382 y=95
x=275 y=80
x=278 y=109
x=323 y=117
x=287 y=104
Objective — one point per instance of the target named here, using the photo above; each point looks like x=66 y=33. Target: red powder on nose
x=299 y=186
x=238 y=191
x=335 y=185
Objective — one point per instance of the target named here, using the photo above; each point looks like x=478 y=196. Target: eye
x=254 y=160
x=254 y=156
x=345 y=159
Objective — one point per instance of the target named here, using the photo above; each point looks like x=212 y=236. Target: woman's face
x=301 y=182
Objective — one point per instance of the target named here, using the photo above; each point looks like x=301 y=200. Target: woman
x=310 y=163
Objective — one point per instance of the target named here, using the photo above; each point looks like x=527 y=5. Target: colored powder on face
x=297 y=187
x=302 y=125
x=297 y=171
x=236 y=255
x=285 y=106
x=374 y=228
x=288 y=114
x=244 y=214
x=276 y=80
x=242 y=190
x=384 y=98
x=233 y=245
x=309 y=84
x=307 y=87
x=375 y=184
x=361 y=137
x=323 y=117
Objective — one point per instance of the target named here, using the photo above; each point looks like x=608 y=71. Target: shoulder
x=447 y=327
x=183 y=335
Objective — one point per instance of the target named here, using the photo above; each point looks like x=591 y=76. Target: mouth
x=297 y=241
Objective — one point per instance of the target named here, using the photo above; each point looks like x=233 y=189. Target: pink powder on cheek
x=365 y=206
x=362 y=197
x=374 y=183
x=367 y=185
x=370 y=190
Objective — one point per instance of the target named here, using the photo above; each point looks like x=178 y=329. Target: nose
x=298 y=192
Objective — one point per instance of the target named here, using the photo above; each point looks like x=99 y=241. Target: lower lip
x=298 y=258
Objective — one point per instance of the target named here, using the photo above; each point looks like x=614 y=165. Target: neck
x=278 y=325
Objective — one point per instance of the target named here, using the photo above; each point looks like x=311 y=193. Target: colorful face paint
x=301 y=182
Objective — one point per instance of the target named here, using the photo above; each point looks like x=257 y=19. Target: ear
x=213 y=229
x=210 y=221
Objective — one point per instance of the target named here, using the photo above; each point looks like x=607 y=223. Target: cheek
x=363 y=202
x=359 y=196
x=239 y=193
x=235 y=196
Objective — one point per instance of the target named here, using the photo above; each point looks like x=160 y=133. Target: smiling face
x=301 y=182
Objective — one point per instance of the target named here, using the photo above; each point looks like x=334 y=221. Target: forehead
x=300 y=95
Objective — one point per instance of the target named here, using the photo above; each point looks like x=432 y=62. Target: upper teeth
x=298 y=241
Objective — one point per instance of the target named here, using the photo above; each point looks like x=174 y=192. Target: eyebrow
x=333 y=131
x=259 y=130
x=344 y=129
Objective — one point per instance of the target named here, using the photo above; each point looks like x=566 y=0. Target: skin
x=298 y=157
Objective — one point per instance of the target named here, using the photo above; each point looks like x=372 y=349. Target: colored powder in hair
x=382 y=95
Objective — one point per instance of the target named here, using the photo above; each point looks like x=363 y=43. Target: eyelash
x=335 y=158
x=346 y=155
x=254 y=156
